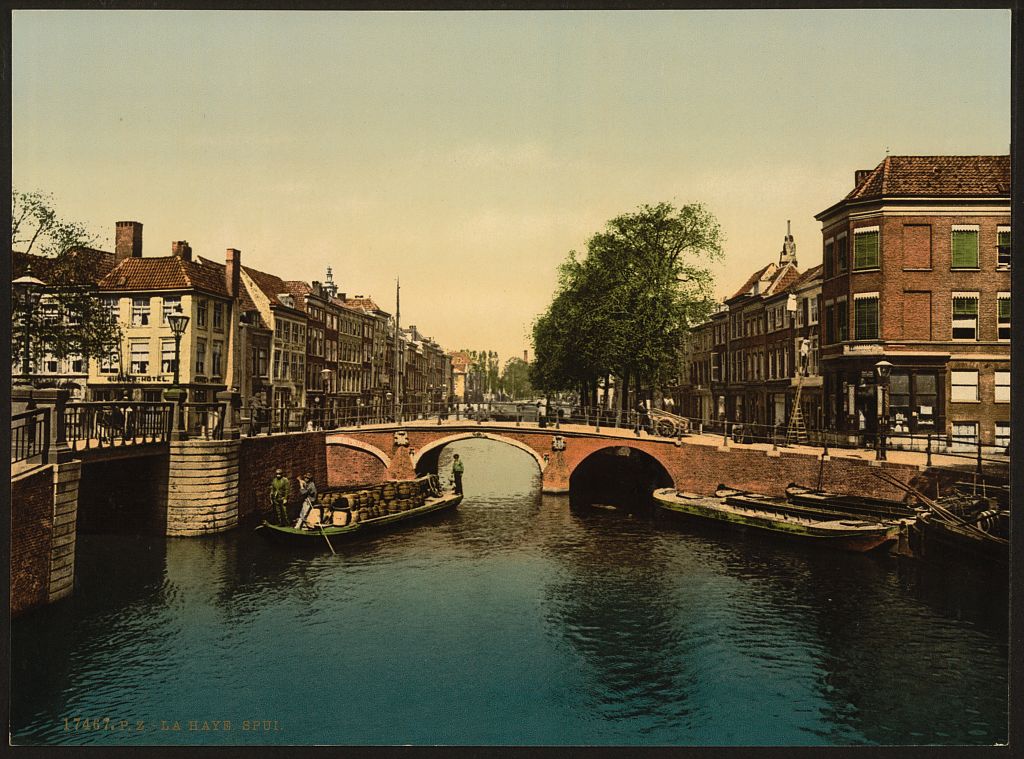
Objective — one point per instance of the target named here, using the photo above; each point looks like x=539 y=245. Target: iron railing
x=105 y=424
x=30 y=435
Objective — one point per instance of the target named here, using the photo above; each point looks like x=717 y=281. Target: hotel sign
x=142 y=378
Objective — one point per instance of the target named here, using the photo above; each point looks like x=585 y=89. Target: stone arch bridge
x=697 y=463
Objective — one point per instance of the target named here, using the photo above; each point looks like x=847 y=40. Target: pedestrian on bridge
x=457 y=469
x=280 y=491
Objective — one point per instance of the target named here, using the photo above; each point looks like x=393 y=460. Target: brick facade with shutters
x=931 y=217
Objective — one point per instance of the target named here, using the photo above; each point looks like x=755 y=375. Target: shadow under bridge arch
x=618 y=475
x=426 y=459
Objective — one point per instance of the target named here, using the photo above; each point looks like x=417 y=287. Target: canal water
x=514 y=620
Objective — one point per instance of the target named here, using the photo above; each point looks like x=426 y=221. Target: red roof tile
x=166 y=273
x=936 y=176
x=272 y=286
x=93 y=263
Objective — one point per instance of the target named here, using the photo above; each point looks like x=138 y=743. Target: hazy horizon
x=469 y=152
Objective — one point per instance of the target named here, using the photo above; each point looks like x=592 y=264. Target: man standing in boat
x=280 y=491
x=457 y=469
x=308 y=491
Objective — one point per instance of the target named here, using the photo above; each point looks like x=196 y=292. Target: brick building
x=916 y=271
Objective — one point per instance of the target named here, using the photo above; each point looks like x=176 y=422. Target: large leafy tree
x=70 y=320
x=515 y=379
x=625 y=307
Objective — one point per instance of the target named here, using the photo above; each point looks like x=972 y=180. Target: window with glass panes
x=201 y=308
x=926 y=398
x=965 y=435
x=1002 y=390
x=166 y=355
x=842 y=320
x=965 y=316
x=865 y=248
x=140 y=312
x=964 y=385
x=1003 y=246
x=218 y=316
x=827 y=259
x=865 y=317
x=830 y=324
x=171 y=304
x=841 y=254
x=139 y=354
x=110 y=363
x=899 y=400
x=964 y=246
x=1003 y=316
x=215 y=358
x=201 y=356
x=1002 y=434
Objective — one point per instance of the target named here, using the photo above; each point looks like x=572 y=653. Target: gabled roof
x=166 y=273
x=92 y=262
x=245 y=302
x=361 y=304
x=749 y=284
x=298 y=290
x=271 y=286
x=807 y=277
x=936 y=176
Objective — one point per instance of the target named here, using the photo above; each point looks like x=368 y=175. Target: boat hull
x=940 y=539
x=837 y=534
x=315 y=537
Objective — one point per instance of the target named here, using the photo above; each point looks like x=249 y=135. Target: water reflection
x=517 y=620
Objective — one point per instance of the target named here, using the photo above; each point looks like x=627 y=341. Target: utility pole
x=398 y=402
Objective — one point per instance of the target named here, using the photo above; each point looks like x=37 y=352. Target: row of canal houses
x=914 y=269
x=279 y=343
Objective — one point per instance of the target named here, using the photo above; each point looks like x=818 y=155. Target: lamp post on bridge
x=176 y=394
x=30 y=289
x=883 y=369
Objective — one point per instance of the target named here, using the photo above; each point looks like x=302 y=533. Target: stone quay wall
x=295 y=453
x=202 y=487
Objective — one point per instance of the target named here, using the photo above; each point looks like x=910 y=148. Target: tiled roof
x=166 y=273
x=807 y=276
x=92 y=262
x=745 y=289
x=299 y=290
x=936 y=176
x=272 y=286
x=245 y=302
x=783 y=280
x=363 y=304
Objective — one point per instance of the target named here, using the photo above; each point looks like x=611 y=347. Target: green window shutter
x=865 y=251
x=865 y=319
x=965 y=249
x=1004 y=309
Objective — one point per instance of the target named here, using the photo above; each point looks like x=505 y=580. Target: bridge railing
x=30 y=435
x=203 y=420
x=107 y=424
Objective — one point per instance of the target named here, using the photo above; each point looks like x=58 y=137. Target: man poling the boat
x=307 y=489
x=457 y=469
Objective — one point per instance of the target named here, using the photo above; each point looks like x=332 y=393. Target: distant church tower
x=329 y=286
x=788 y=254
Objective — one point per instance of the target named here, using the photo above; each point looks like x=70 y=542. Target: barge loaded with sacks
x=347 y=514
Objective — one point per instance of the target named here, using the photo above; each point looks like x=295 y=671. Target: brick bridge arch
x=424 y=444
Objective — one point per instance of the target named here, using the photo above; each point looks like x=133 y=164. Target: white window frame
x=140 y=312
x=1006 y=297
x=976 y=297
x=200 y=361
x=963 y=396
x=1001 y=390
x=878 y=315
x=1000 y=229
x=1002 y=434
x=863 y=231
x=961 y=440
x=166 y=347
x=976 y=229
x=141 y=366
x=168 y=305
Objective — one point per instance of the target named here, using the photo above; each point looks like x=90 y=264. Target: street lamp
x=177 y=322
x=882 y=370
x=387 y=397
x=29 y=287
x=325 y=374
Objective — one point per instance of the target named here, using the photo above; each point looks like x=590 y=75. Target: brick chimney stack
x=860 y=175
x=128 y=242
x=232 y=271
x=182 y=250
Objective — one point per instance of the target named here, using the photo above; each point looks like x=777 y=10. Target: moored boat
x=770 y=515
x=879 y=508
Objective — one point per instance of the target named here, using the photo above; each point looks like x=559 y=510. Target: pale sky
x=468 y=152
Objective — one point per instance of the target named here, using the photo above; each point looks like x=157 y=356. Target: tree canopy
x=70 y=320
x=625 y=307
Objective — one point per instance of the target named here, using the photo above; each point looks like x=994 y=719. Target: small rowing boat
x=775 y=516
x=314 y=536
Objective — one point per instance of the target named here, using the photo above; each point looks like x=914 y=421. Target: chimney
x=232 y=271
x=182 y=250
x=128 y=243
x=525 y=359
x=860 y=175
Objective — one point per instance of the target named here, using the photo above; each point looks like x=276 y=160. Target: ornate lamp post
x=325 y=374
x=387 y=397
x=30 y=289
x=178 y=322
x=882 y=370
